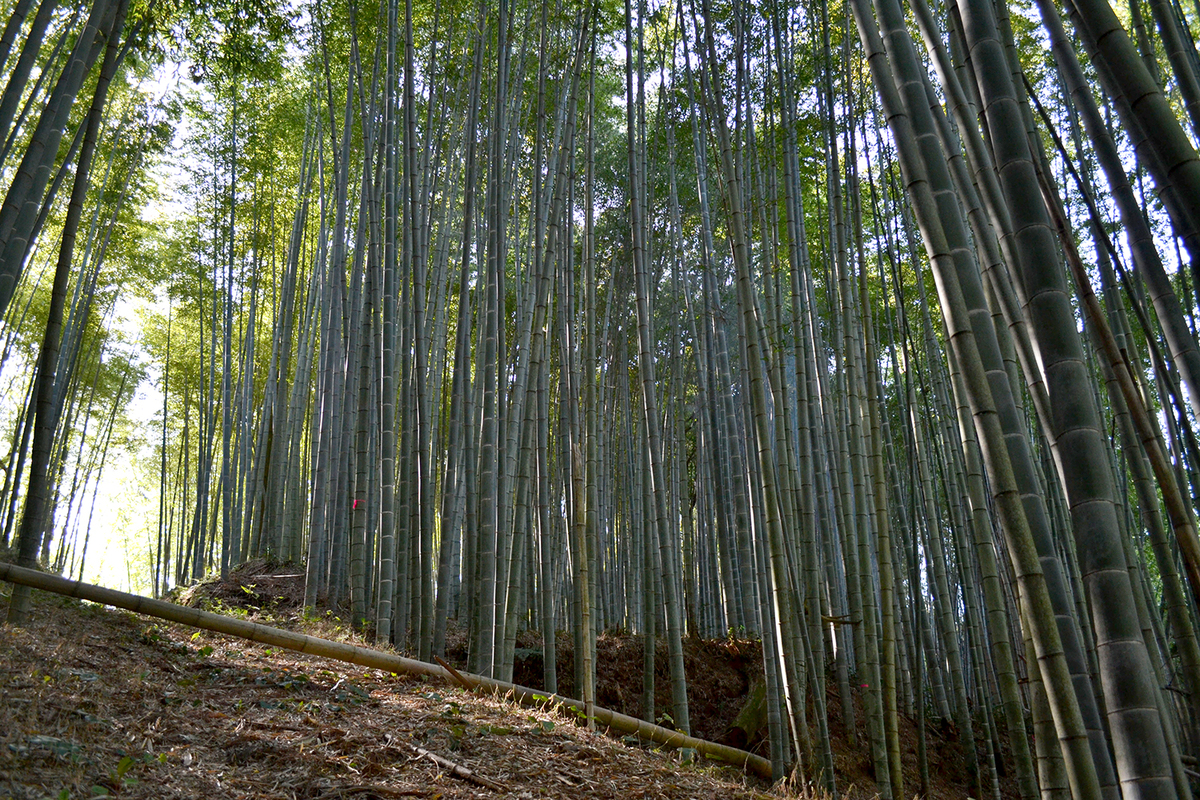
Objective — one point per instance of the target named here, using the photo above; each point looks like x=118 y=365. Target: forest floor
x=100 y=702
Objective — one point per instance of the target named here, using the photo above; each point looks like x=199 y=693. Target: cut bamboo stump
x=751 y=718
x=366 y=657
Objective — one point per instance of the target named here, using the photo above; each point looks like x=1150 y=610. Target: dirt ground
x=98 y=702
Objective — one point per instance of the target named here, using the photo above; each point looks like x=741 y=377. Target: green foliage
x=231 y=37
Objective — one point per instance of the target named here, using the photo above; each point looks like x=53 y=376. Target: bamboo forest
x=860 y=331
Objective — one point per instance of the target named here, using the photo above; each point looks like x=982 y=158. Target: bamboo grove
x=864 y=329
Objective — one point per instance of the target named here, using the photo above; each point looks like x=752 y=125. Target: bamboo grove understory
x=866 y=329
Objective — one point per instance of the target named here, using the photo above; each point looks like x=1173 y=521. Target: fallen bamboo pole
x=366 y=657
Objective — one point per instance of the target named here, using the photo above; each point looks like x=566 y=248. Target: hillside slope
x=97 y=702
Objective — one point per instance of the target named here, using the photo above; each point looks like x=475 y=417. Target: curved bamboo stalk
x=1035 y=596
x=1158 y=134
x=46 y=410
x=19 y=211
x=1076 y=435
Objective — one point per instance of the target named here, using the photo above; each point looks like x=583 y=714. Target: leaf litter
x=96 y=702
